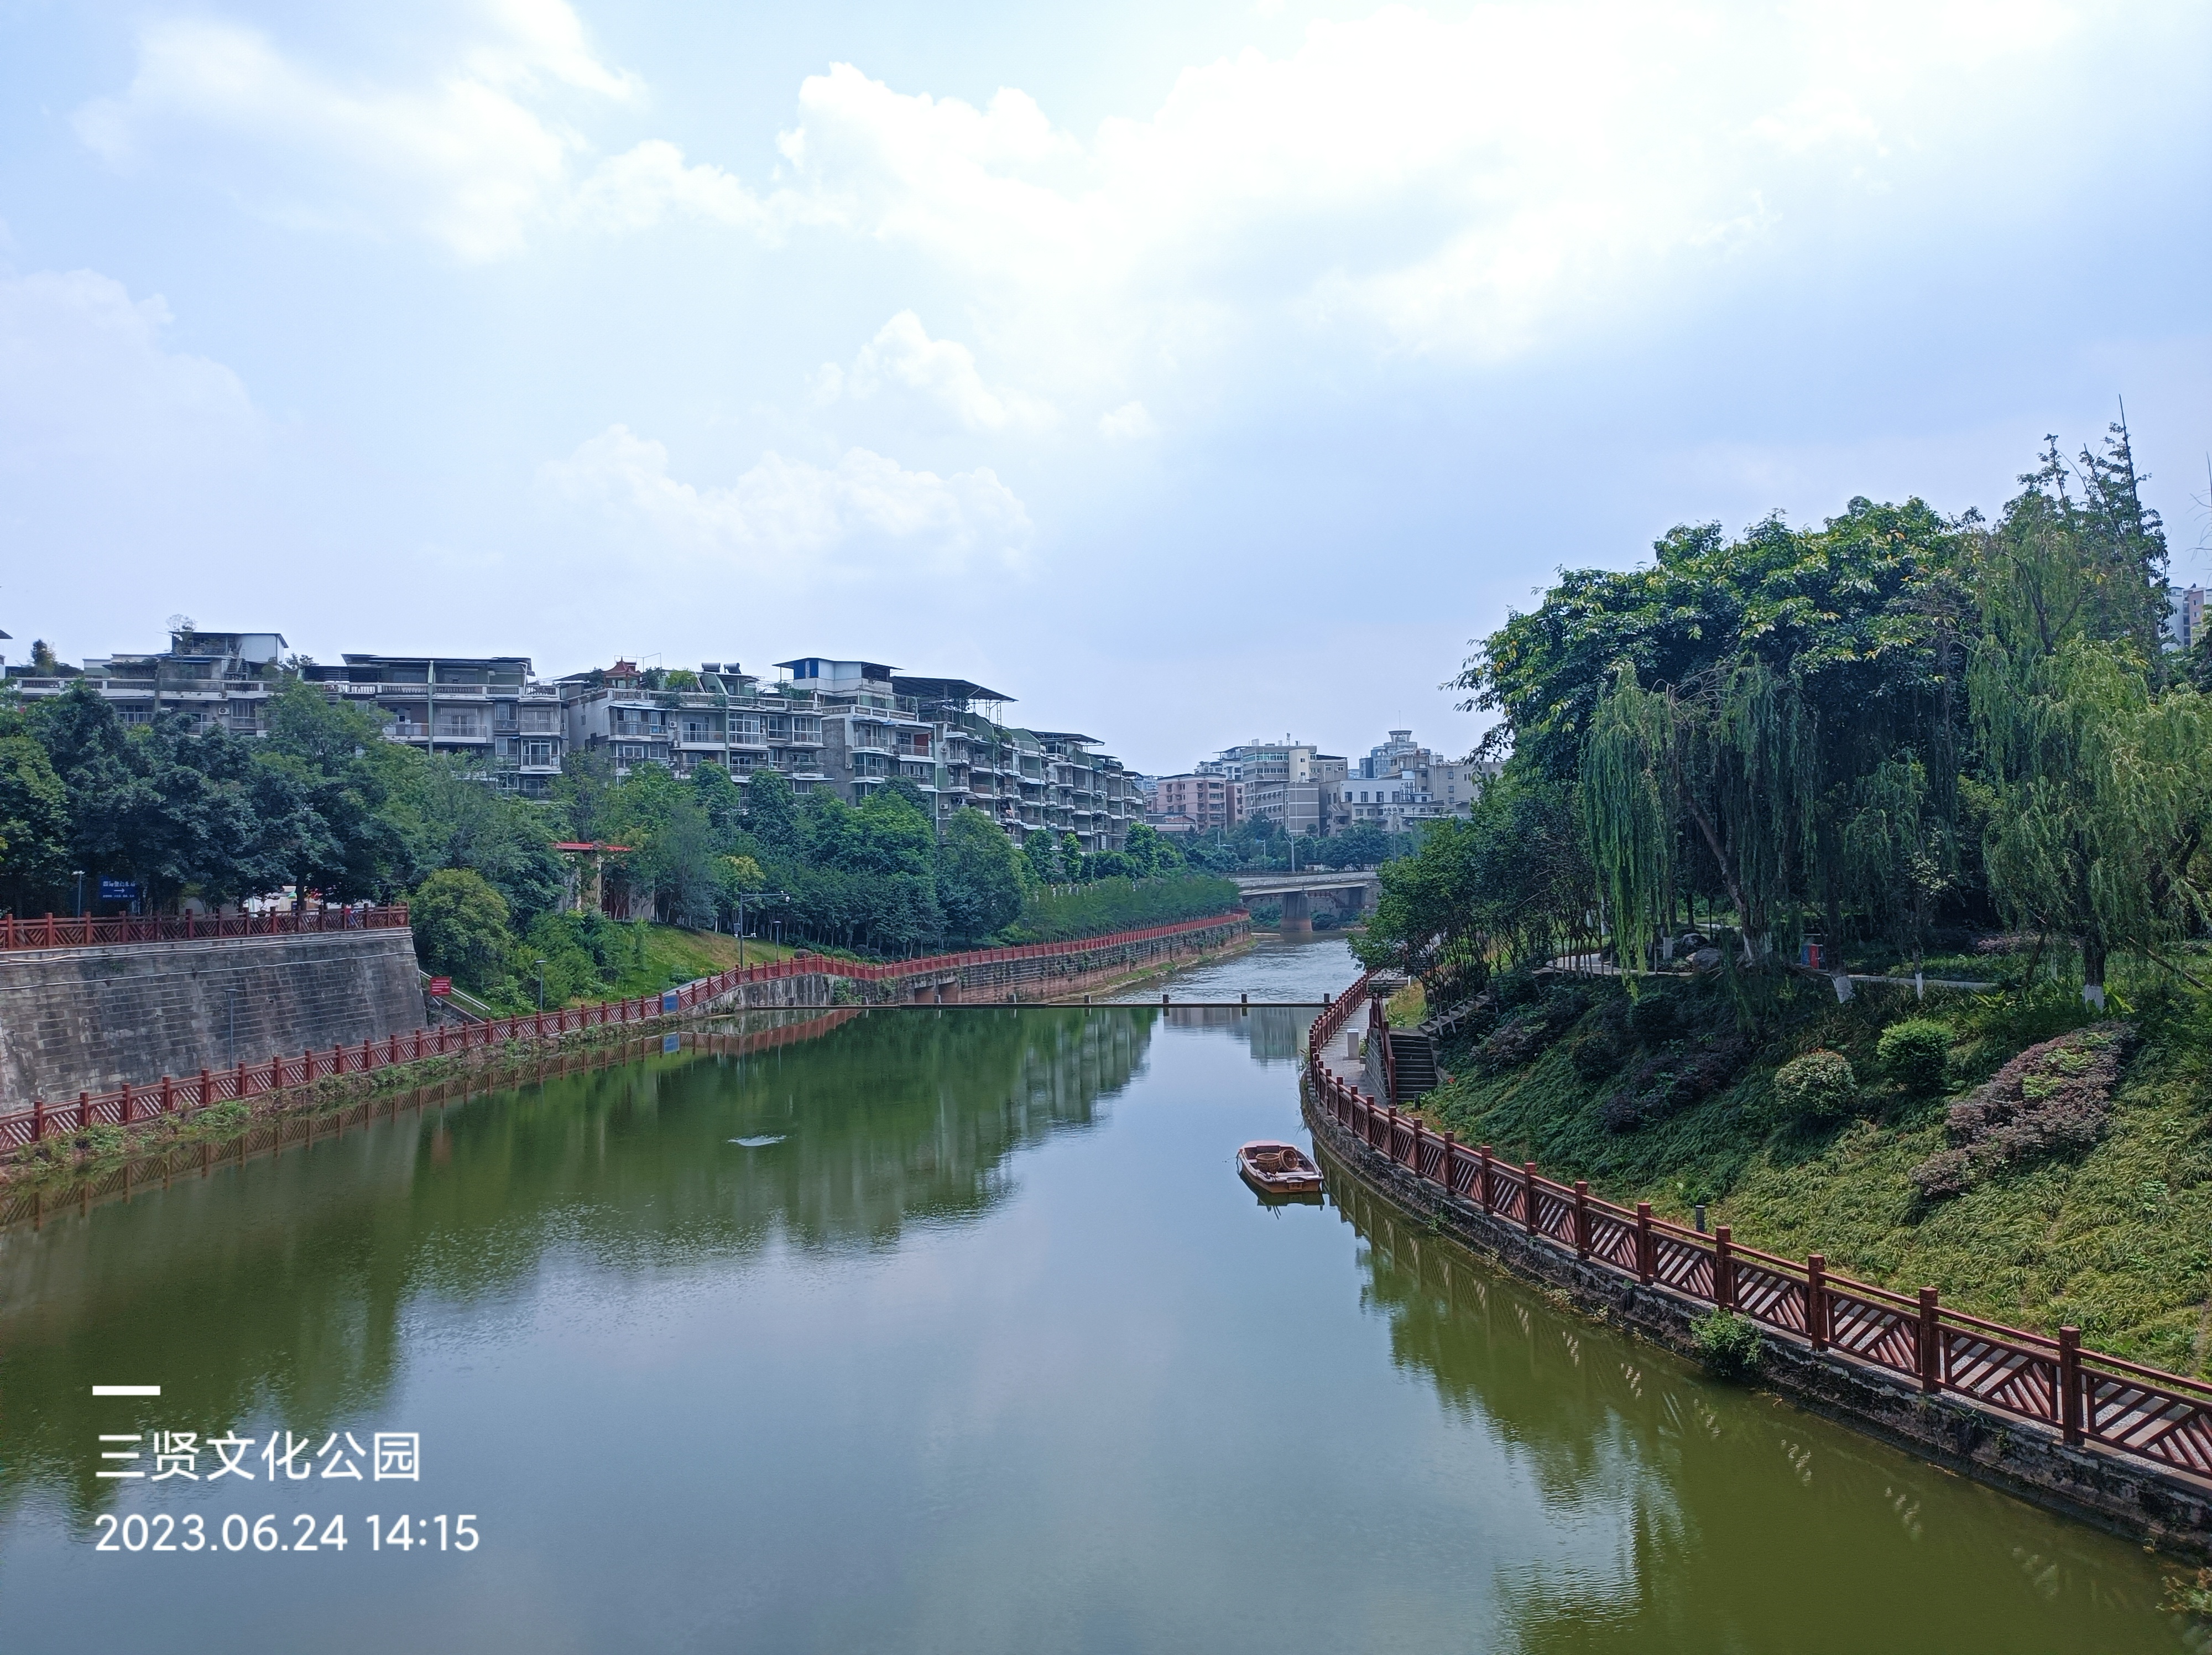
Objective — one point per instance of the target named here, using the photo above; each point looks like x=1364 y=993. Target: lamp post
x=759 y=899
x=541 y=983
x=80 y=893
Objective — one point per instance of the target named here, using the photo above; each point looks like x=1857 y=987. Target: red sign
x=441 y=986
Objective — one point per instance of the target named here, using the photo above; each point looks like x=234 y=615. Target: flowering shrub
x=2053 y=1099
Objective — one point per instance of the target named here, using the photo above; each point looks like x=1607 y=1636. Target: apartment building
x=2184 y=617
x=1207 y=801
x=944 y=736
x=719 y=714
x=1400 y=783
x=489 y=710
x=211 y=680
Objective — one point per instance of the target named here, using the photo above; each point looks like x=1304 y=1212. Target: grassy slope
x=2119 y=1241
x=672 y=956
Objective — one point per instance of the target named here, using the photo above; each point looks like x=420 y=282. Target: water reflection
x=1738 y=1522
x=1273 y=1032
x=278 y=1288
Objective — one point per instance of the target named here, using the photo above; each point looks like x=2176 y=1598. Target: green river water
x=978 y=1345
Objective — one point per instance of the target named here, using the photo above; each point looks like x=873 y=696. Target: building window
x=630 y=752
x=538 y=752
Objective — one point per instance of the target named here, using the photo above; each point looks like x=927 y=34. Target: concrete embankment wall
x=2130 y=1497
x=91 y=1019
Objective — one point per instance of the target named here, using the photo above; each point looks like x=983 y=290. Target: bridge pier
x=1298 y=914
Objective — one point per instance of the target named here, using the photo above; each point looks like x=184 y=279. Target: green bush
x=1654 y=1016
x=1818 y=1087
x=1090 y=911
x=1913 y=1055
x=1728 y=1344
x=1596 y=1055
x=460 y=927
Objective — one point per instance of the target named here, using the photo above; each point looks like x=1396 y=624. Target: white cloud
x=470 y=156
x=1477 y=185
x=943 y=370
x=789 y=521
x=637 y=189
x=91 y=399
x=1129 y=423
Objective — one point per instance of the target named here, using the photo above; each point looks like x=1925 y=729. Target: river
x=949 y=1330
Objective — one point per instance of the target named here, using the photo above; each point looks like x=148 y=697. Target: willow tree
x=1900 y=849
x=2103 y=786
x=1731 y=761
x=2104 y=792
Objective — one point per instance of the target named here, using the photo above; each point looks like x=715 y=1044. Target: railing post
x=1444 y=1166
x=1582 y=1218
x=1724 y=1268
x=207 y=1085
x=37 y=1119
x=1528 y=1196
x=2070 y=1385
x=84 y=1111
x=125 y=1121
x=1816 y=1300
x=1482 y=1177
x=169 y=1095
x=1647 y=1250
x=1931 y=1343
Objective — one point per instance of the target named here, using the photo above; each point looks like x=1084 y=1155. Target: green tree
x=2102 y=786
x=1145 y=850
x=979 y=882
x=772 y=813
x=451 y=817
x=460 y=925
x=722 y=799
x=1042 y=855
x=34 y=823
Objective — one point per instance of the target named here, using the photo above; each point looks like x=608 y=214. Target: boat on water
x=1278 y=1169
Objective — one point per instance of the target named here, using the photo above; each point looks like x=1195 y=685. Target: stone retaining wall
x=92 y=1020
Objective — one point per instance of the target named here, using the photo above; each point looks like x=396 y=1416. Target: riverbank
x=91 y=1138
x=1001 y=1263
x=2123 y=1447
x=1669 y=1100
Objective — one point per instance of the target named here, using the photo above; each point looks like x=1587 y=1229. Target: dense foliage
x=324 y=805
x=1891 y=727
x=1087 y=911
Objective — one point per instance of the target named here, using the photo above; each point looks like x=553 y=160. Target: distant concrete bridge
x=1353 y=893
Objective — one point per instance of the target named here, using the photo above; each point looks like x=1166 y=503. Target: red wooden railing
x=2087 y=1397
x=85 y=931
x=174 y=1096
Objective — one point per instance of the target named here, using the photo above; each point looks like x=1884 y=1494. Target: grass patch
x=2116 y=1240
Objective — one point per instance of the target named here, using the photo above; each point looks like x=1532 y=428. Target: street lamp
x=541 y=984
x=769 y=899
x=80 y=893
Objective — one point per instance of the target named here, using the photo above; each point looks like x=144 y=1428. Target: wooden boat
x=1278 y=1169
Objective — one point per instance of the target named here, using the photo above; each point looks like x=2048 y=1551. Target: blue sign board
x=668 y=1001
x=117 y=890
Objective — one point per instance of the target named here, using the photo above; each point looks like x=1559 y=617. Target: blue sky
x=1190 y=373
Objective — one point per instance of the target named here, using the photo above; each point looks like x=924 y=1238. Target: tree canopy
x=1892 y=720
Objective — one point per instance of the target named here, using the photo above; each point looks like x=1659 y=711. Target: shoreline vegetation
x=82 y=1160
x=322 y=805
x=1899 y=744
